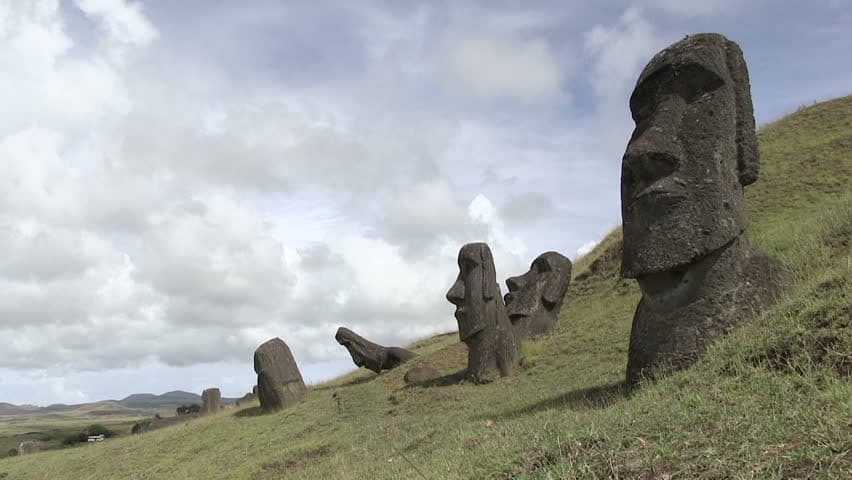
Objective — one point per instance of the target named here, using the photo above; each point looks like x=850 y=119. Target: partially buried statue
x=483 y=324
x=693 y=150
x=279 y=382
x=211 y=401
x=534 y=298
x=370 y=355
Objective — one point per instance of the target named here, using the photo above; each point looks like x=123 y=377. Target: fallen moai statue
x=371 y=355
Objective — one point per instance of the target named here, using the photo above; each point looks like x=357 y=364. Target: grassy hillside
x=773 y=400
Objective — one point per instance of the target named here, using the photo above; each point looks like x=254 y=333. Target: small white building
x=96 y=438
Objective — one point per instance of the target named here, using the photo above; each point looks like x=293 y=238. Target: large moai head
x=534 y=298
x=475 y=292
x=483 y=324
x=693 y=150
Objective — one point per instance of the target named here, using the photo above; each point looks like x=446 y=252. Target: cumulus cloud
x=585 y=248
x=620 y=51
x=698 y=9
x=488 y=67
x=526 y=207
x=181 y=183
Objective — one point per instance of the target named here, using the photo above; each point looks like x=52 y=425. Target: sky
x=181 y=181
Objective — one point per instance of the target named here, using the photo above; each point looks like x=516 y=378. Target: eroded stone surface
x=279 y=382
x=693 y=150
x=211 y=401
x=371 y=355
x=421 y=373
x=534 y=298
x=483 y=324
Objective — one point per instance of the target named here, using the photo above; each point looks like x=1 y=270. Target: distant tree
x=140 y=427
x=13 y=452
x=187 y=409
x=98 y=429
x=75 y=438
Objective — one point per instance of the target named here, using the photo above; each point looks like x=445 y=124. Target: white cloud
x=180 y=191
x=585 y=248
x=706 y=8
x=124 y=21
x=490 y=67
x=620 y=51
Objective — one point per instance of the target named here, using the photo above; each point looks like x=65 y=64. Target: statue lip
x=660 y=189
x=461 y=313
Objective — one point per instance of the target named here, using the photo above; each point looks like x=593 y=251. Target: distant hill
x=169 y=399
x=9 y=409
x=135 y=404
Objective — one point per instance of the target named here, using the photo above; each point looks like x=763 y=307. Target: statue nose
x=513 y=284
x=645 y=167
x=455 y=294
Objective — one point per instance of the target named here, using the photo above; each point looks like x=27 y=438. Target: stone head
x=350 y=339
x=475 y=292
x=692 y=151
x=540 y=289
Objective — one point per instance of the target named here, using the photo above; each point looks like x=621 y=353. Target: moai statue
x=483 y=324
x=534 y=298
x=370 y=355
x=279 y=382
x=693 y=150
x=210 y=401
x=28 y=447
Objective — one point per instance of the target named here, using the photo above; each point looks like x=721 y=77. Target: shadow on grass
x=586 y=398
x=249 y=412
x=354 y=381
x=445 y=381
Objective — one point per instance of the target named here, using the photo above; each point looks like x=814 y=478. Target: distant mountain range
x=138 y=403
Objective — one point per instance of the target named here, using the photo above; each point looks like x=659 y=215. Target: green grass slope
x=773 y=400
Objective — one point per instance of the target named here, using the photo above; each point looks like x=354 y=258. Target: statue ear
x=748 y=156
x=555 y=289
x=489 y=275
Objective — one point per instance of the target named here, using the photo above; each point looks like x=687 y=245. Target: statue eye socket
x=689 y=81
x=468 y=265
x=542 y=266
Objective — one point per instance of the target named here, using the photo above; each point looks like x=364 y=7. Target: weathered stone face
x=371 y=355
x=279 y=382
x=534 y=298
x=483 y=324
x=210 y=401
x=692 y=151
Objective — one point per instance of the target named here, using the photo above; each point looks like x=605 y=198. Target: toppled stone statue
x=693 y=150
x=483 y=324
x=370 y=355
x=534 y=298
x=279 y=382
x=210 y=401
